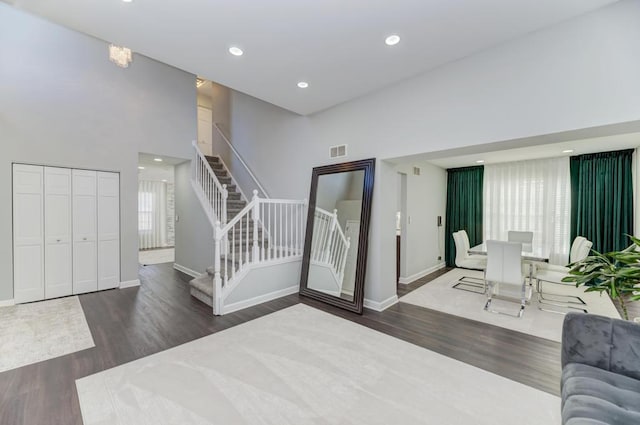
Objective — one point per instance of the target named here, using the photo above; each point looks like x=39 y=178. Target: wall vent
x=416 y=171
x=338 y=151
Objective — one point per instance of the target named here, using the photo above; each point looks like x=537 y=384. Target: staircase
x=262 y=232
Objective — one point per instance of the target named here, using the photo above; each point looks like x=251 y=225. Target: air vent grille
x=338 y=151
x=416 y=171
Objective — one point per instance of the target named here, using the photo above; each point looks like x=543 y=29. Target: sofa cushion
x=596 y=394
x=584 y=421
x=579 y=370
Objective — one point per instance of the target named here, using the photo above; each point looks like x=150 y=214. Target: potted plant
x=617 y=273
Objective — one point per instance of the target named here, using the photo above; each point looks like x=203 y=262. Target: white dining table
x=536 y=254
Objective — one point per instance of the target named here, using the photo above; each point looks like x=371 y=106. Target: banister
x=208 y=167
x=244 y=164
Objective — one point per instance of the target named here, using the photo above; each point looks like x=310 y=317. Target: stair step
x=214 y=159
x=237 y=203
x=220 y=173
x=225 y=180
x=201 y=288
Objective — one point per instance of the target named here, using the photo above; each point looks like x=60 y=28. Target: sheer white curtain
x=152 y=214
x=530 y=196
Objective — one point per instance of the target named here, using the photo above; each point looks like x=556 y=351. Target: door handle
x=58 y=240
x=84 y=239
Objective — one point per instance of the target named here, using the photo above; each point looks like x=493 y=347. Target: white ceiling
x=598 y=144
x=335 y=45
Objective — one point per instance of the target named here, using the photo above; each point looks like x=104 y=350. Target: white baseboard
x=423 y=273
x=380 y=306
x=186 y=270
x=230 y=308
x=130 y=283
x=7 y=303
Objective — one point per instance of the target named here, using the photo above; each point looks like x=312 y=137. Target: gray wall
x=582 y=73
x=64 y=103
x=194 y=234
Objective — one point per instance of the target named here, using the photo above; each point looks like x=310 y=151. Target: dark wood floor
x=132 y=323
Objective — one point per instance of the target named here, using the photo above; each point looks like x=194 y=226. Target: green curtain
x=602 y=199
x=464 y=207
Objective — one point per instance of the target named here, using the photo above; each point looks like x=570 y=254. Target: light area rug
x=440 y=295
x=156 y=256
x=301 y=366
x=31 y=333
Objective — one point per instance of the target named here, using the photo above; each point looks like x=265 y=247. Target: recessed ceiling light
x=392 y=40
x=128 y=1
x=140 y=167
x=157 y=159
x=480 y=161
x=236 y=51
x=567 y=151
x=303 y=84
x=164 y=180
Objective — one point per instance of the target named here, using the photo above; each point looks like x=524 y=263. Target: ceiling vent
x=416 y=171
x=338 y=151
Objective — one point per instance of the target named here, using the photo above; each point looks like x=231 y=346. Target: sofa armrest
x=602 y=342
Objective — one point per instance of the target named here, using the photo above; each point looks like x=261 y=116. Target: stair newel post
x=344 y=258
x=217 y=280
x=223 y=214
x=255 y=214
x=334 y=221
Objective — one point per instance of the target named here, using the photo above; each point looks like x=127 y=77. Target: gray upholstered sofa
x=600 y=371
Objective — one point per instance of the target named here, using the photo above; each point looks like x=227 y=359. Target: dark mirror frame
x=368 y=165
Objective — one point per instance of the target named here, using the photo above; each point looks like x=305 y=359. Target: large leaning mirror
x=335 y=249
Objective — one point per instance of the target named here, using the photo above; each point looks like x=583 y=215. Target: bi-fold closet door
x=66 y=231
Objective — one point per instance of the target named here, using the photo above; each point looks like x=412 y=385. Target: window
x=145 y=211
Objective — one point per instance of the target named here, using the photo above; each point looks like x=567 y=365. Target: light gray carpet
x=301 y=366
x=440 y=295
x=31 y=333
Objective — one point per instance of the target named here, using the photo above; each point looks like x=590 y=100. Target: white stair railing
x=211 y=193
x=266 y=230
x=329 y=245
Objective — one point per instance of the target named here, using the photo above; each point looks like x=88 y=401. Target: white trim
x=423 y=273
x=380 y=306
x=186 y=270
x=130 y=283
x=230 y=308
x=276 y=261
x=233 y=283
x=7 y=303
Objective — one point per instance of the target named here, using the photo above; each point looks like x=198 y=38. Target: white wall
x=426 y=200
x=579 y=74
x=64 y=103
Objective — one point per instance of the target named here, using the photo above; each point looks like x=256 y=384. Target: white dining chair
x=466 y=261
x=504 y=268
x=526 y=238
x=553 y=274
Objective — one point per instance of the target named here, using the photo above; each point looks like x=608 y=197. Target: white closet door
x=108 y=230
x=58 y=280
x=85 y=232
x=28 y=233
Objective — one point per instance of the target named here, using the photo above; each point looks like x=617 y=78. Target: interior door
x=85 y=232
x=108 y=230
x=28 y=233
x=205 y=130
x=58 y=277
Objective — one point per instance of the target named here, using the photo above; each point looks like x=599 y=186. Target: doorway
x=401 y=219
x=156 y=210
